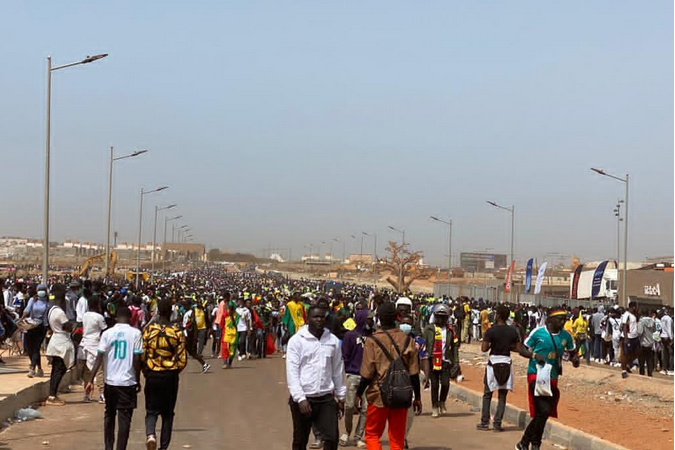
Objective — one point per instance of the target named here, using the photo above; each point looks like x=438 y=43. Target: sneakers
x=434 y=413
x=86 y=399
x=239 y=358
x=460 y=378
x=482 y=427
x=441 y=407
x=317 y=444
x=101 y=399
x=360 y=444
x=497 y=427
x=521 y=446
x=31 y=373
x=54 y=401
x=206 y=367
x=624 y=374
x=151 y=442
x=39 y=373
x=344 y=440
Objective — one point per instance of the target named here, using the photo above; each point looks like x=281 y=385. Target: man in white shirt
x=82 y=307
x=314 y=374
x=666 y=343
x=93 y=325
x=243 y=329
x=121 y=346
x=630 y=338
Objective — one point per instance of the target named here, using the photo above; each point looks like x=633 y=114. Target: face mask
x=42 y=294
x=406 y=328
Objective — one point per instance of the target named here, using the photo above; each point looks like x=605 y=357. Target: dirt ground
x=636 y=412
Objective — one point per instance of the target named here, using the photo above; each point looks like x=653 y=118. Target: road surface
x=242 y=408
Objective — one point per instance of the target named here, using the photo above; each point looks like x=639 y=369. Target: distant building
x=481 y=262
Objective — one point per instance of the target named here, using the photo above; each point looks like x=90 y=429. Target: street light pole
x=449 y=224
x=140 y=228
x=50 y=69
x=110 y=177
x=154 y=236
x=624 y=295
x=164 y=251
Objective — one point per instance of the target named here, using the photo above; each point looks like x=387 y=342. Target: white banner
x=540 y=278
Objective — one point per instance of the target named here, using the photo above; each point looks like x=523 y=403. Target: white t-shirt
x=245 y=315
x=631 y=320
x=81 y=308
x=57 y=319
x=93 y=324
x=119 y=344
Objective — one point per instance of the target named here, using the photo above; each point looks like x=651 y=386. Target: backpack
x=396 y=388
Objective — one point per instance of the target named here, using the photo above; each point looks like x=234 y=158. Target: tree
x=403 y=264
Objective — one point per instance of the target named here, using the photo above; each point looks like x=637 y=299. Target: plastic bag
x=25 y=414
x=542 y=388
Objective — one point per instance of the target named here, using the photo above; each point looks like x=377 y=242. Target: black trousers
x=161 y=393
x=58 y=371
x=324 y=416
x=34 y=340
x=120 y=401
x=442 y=378
x=646 y=357
x=542 y=410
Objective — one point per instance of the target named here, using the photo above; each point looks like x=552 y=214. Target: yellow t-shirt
x=200 y=319
x=580 y=326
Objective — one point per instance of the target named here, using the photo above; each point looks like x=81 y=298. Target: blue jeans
x=597 y=346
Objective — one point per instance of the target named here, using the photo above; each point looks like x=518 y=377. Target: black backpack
x=396 y=388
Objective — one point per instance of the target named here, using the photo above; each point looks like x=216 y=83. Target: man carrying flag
x=294 y=317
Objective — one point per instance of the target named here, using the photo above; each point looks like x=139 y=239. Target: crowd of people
x=350 y=350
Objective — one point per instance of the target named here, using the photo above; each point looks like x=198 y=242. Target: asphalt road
x=242 y=408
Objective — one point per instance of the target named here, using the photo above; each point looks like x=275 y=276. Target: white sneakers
x=151 y=442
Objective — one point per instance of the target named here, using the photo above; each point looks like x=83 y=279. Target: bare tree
x=403 y=264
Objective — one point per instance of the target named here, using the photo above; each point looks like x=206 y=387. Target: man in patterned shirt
x=164 y=358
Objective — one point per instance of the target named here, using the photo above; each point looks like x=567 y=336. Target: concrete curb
x=555 y=433
x=28 y=396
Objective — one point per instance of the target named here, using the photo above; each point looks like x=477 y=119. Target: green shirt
x=539 y=342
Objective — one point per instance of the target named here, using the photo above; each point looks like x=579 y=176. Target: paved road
x=241 y=408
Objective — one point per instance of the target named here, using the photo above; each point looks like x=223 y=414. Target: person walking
x=121 y=348
x=547 y=346
x=314 y=371
x=441 y=342
x=164 y=358
x=229 y=322
x=666 y=343
x=499 y=340
x=646 y=328
x=352 y=353
x=60 y=347
x=389 y=345
x=36 y=311
x=630 y=339
x=93 y=325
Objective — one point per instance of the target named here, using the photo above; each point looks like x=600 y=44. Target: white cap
x=404 y=301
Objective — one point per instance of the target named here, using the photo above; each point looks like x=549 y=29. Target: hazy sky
x=289 y=123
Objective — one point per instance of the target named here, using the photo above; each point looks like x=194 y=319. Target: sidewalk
x=18 y=391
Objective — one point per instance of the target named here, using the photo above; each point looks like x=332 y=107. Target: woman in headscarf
x=228 y=325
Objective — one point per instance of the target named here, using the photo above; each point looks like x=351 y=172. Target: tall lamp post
x=110 y=177
x=512 y=210
x=50 y=69
x=374 y=236
x=619 y=219
x=164 y=251
x=449 y=224
x=624 y=295
x=400 y=268
x=154 y=235
x=343 y=248
x=140 y=228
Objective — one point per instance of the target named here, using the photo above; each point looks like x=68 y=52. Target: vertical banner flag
x=509 y=276
x=540 y=278
x=575 y=281
x=528 y=275
x=597 y=278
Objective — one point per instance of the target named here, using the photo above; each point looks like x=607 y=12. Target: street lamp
x=449 y=224
x=619 y=219
x=512 y=210
x=624 y=296
x=374 y=236
x=140 y=228
x=343 y=248
x=164 y=251
x=50 y=69
x=110 y=176
x=183 y=233
x=154 y=235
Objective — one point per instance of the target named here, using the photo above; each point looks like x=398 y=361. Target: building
x=481 y=262
x=651 y=285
